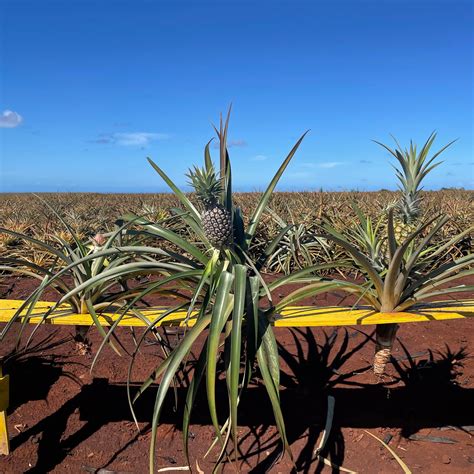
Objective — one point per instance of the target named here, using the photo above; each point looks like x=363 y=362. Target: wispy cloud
x=10 y=119
x=231 y=143
x=103 y=139
x=323 y=164
x=366 y=162
x=130 y=139
x=138 y=138
x=260 y=158
x=309 y=170
x=330 y=164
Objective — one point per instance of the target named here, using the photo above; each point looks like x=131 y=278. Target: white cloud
x=330 y=164
x=130 y=139
x=260 y=158
x=10 y=119
x=138 y=138
x=324 y=164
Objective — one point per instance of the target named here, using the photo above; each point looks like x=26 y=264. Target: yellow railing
x=295 y=316
x=292 y=316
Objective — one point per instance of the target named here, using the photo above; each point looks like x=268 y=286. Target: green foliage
x=206 y=184
x=412 y=273
x=299 y=247
x=414 y=166
x=83 y=273
x=232 y=304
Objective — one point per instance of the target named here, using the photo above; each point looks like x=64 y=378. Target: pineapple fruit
x=410 y=175
x=409 y=210
x=216 y=219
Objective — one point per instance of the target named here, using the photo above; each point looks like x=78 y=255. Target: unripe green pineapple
x=408 y=213
x=216 y=219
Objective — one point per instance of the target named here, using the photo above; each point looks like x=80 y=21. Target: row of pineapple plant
x=211 y=263
x=302 y=247
x=89 y=214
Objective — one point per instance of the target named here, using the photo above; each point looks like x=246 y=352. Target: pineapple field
x=285 y=286
x=178 y=304
x=89 y=214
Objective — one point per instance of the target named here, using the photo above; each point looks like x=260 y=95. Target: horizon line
x=319 y=190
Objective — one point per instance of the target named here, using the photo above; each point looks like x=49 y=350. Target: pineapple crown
x=414 y=165
x=206 y=184
x=409 y=208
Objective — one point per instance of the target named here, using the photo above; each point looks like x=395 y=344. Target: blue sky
x=89 y=89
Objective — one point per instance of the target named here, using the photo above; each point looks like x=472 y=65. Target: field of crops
x=91 y=213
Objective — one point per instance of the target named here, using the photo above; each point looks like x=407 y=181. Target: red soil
x=64 y=419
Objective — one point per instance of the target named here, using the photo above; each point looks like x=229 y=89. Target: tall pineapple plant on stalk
x=414 y=268
x=413 y=167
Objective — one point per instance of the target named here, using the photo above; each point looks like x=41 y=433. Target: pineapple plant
x=409 y=279
x=221 y=275
x=153 y=211
x=216 y=219
x=7 y=241
x=414 y=166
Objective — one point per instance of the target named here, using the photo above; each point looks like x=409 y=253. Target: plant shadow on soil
x=422 y=394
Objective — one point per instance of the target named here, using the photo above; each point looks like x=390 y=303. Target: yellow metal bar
x=295 y=316
x=4 y=400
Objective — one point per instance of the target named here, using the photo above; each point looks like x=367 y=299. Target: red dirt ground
x=63 y=419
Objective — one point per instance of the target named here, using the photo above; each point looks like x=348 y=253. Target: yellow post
x=4 y=399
